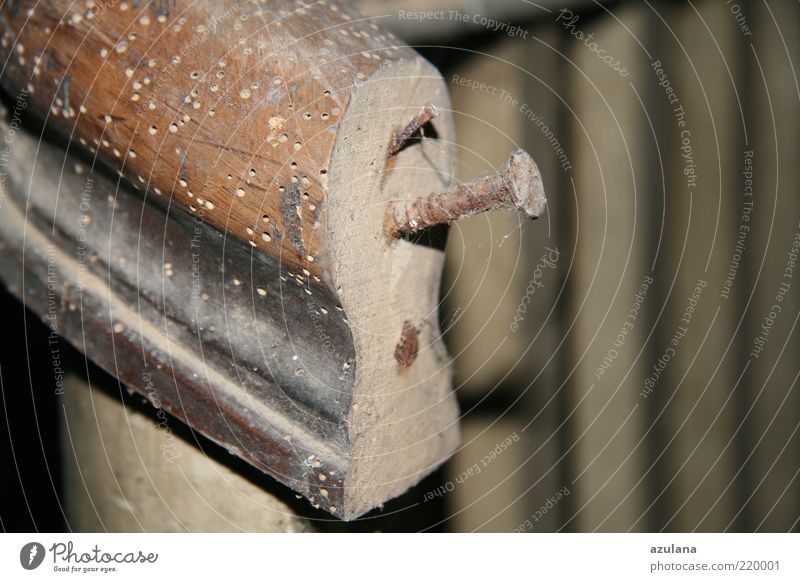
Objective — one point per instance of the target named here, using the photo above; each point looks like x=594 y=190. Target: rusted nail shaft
x=518 y=187
x=427 y=113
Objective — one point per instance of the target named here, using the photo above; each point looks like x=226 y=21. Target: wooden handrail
x=243 y=160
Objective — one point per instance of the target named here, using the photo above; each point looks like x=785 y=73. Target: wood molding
x=282 y=348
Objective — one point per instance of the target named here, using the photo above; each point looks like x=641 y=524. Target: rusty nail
x=517 y=187
x=427 y=113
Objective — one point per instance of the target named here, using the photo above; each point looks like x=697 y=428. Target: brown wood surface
x=228 y=110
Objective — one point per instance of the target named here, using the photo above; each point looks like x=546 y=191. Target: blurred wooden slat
x=539 y=369
x=775 y=503
x=146 y=479
x=610 y=141
x=696 y=386
x=489 y=477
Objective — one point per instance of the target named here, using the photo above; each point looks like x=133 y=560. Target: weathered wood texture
x=163 y=305
x=229 y=110
x=270 y=122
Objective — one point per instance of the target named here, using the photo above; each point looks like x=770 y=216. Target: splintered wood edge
x=404 y=418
